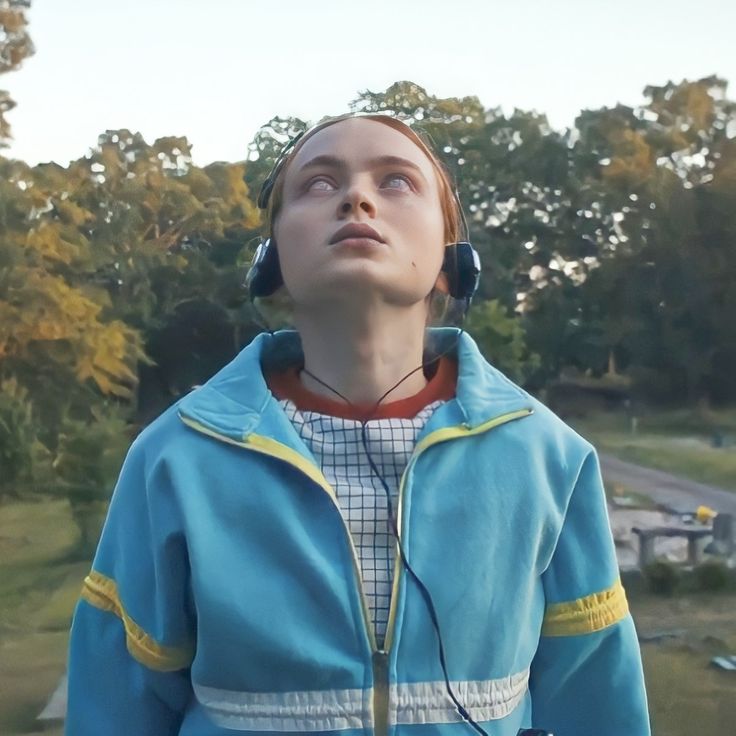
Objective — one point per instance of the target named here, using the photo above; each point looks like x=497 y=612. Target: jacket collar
x=236 y=401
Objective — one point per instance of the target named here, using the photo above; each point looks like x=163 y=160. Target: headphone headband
x=267 y=187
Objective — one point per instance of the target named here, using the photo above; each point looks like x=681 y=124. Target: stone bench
x=692 y=534
x=723 y=544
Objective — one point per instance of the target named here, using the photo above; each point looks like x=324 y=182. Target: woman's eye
x=400 y=182
x=325 y=185
x=405 y=182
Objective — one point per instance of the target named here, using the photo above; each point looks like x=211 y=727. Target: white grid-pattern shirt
x=337 y=445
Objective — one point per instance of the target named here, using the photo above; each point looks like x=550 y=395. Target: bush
x=88 y=460
x=24 y=459
x=662 y=577
x=502 y=339
x=712 y=575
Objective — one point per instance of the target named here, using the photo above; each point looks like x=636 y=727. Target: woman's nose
x=357 y=197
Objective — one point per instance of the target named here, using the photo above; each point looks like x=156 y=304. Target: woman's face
x=360 y=172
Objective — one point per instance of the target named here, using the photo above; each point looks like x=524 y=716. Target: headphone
x=460 y=264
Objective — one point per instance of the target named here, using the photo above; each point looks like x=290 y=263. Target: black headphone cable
x=426 y=595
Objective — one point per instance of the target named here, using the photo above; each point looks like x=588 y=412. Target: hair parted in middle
x=440 y=302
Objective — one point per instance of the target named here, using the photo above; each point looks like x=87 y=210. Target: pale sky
x=216 y=71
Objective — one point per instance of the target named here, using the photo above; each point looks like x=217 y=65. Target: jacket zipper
x=273 y=448
x=439 y=435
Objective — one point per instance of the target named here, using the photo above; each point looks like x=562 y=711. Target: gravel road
x=669 y=490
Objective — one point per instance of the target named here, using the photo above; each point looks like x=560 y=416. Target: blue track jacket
x=226 y=596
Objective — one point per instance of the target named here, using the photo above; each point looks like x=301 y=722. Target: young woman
x=248 y=579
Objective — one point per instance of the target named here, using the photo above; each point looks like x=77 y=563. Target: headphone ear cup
x=461 y=265
x=264 y=275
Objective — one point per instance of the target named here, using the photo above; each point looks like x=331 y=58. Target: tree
x=491 y=158
x=267 y=144
x=15 y=46
x=662 y=283
x=501 y=339
x=50 y=323
x=98 y=259
x=614 y=241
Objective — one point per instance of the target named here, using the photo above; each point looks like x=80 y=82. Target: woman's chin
x=344 y=295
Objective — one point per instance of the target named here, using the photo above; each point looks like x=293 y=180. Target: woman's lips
x=358 y=242
x=356 y=231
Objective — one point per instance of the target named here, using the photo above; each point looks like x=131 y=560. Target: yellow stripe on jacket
x=586 y=615
x=102 y=592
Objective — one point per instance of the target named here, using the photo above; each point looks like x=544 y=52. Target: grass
x=618 y=492
x=679 y=442
x=30 y=666
x=40 y=581
x=688 y=696
x=39 y=585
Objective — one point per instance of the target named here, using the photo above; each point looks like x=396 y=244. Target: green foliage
x=88 y=459
x=712 y=575
x=90 y=453
x=15 y=45
x=501 y=339
x=664 y=272
x=24 y=460
x=266 y=145
x=662 y=577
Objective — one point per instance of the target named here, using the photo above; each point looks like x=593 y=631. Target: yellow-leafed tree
x=45 y=317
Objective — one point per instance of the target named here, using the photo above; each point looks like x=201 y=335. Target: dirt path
x=669 y=490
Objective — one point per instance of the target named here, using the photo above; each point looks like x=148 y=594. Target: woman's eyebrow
x=339 y=163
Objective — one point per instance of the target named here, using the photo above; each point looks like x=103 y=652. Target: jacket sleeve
x=586 y=677
x=132 y=635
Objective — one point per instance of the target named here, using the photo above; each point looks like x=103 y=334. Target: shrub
x=88 y=460
x=24 y=459
x=711 y=575
x=662 y=577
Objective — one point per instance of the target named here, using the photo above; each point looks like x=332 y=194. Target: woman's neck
x=365 y=354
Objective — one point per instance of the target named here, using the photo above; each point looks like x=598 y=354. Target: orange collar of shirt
x=286 y=384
